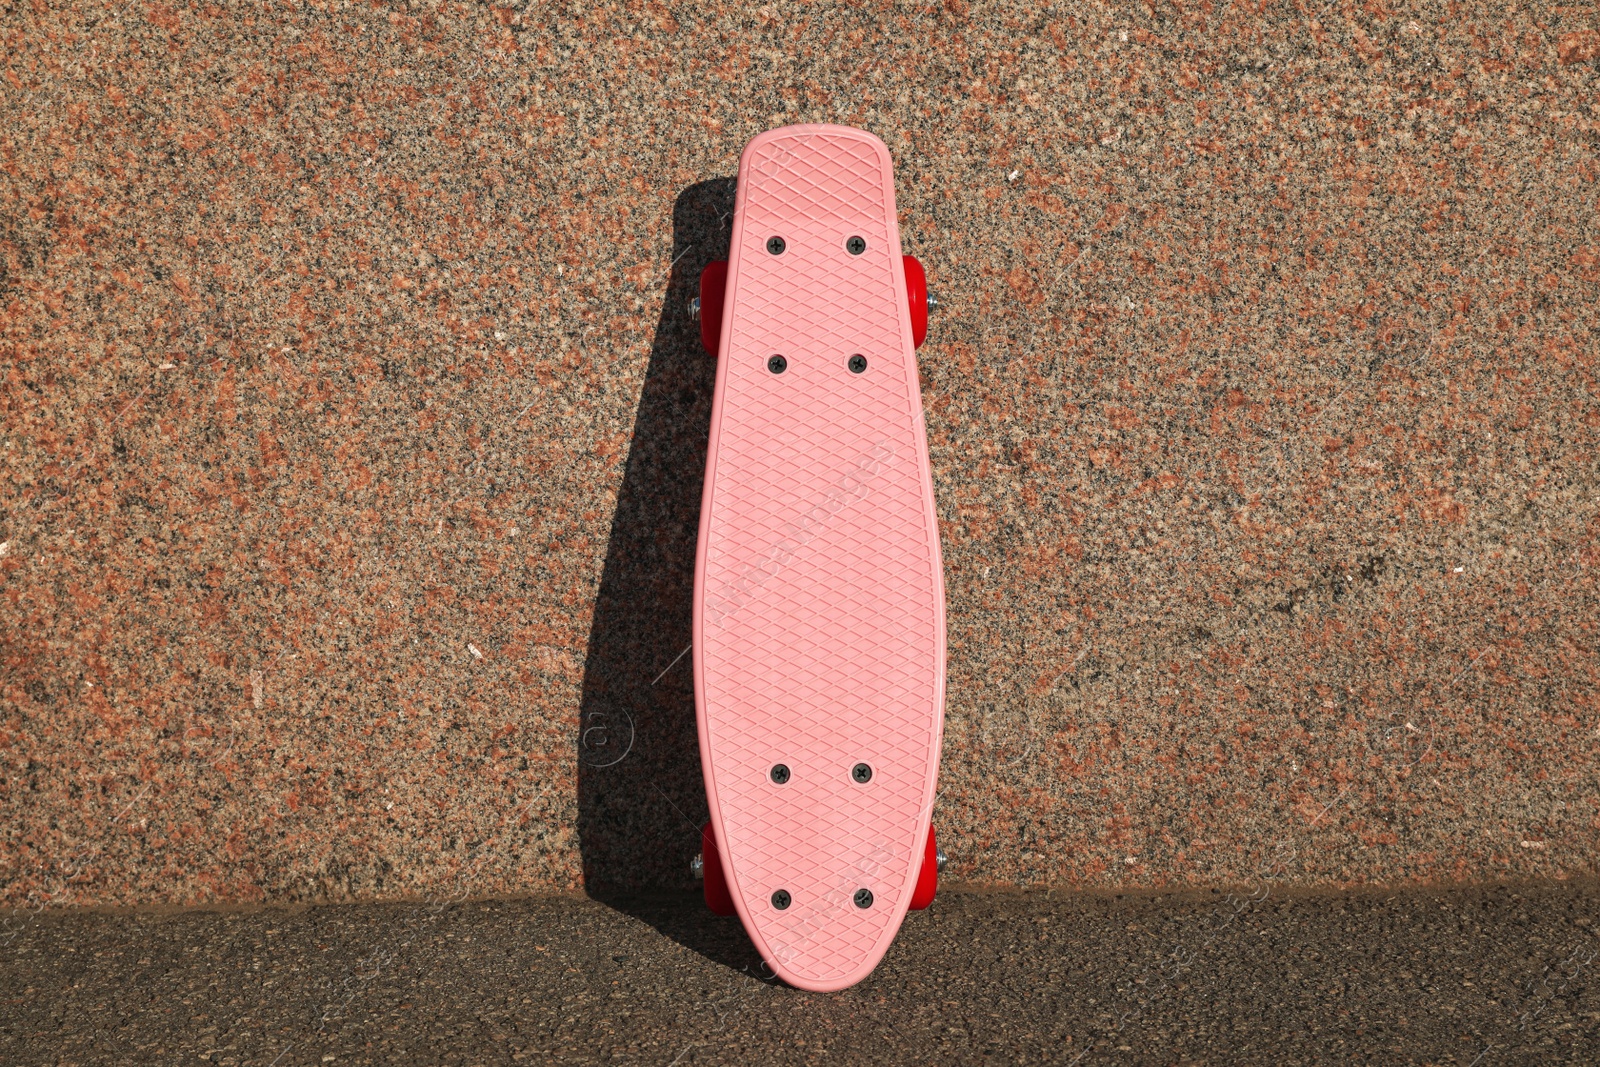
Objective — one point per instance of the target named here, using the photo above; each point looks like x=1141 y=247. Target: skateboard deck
x=819 y=631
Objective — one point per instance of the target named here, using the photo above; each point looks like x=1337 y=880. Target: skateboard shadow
x=641 y=800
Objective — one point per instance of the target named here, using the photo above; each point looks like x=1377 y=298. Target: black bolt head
x=780 y=899
x=858 y=363
x=861 y=772
x=777 y=364
x=863 y=898
x=776 y=246
x=780 y=773
x=856 y=245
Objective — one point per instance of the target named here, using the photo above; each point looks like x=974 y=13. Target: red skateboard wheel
x=713 y=286
x=928 y=880
x=718 y=899
x=916 y=296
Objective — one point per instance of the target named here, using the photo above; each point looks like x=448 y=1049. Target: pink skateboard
x=818 y=595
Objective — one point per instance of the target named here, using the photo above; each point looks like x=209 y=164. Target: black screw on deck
x=858 y=363
x=780 y=899
x=777 y=364
x=861 y=772
x=856 y=245
x=780 y=773
x=863 y=898
x=776 y=246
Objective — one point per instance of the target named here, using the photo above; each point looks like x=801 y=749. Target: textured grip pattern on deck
x=821 y=643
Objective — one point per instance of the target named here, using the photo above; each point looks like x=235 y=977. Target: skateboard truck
x=697 y=866
x=714 y=279
x=694 y=306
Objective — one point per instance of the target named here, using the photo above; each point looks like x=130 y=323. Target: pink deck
x=819 y=598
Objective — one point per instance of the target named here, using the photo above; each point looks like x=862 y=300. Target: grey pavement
x=1486 y=976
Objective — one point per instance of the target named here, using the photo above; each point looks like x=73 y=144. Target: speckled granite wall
x=354 y=424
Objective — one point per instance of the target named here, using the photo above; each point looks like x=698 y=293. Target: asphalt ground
x=1480 y=976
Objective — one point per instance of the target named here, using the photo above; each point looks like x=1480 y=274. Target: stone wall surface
x=354 y=422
